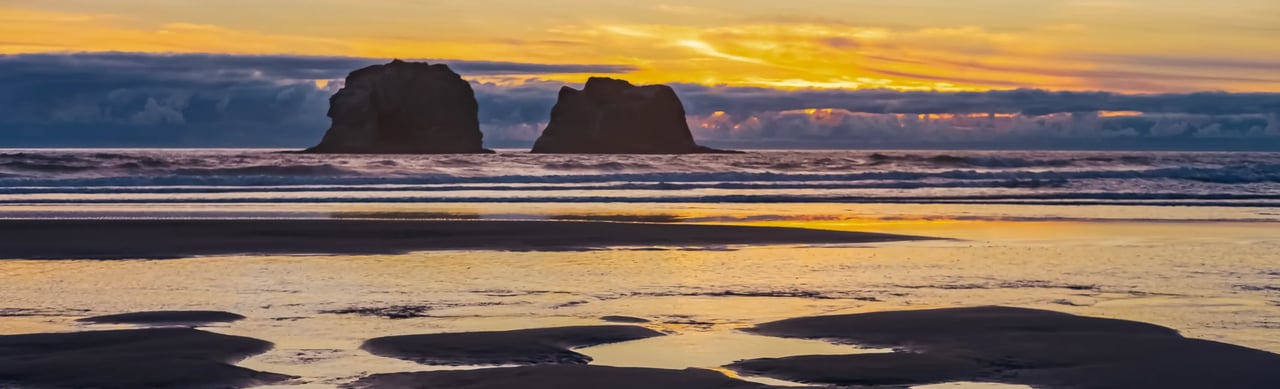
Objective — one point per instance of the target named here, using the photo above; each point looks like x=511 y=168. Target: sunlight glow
x=1109 y=114
x=707 y=49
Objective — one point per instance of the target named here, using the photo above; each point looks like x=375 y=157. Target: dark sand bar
x=165 y=318
x=157 y=239
x=557 y=377
x=888 y=369
x=1043 y=349
x=520 y=347
x=146 y=358
x=625 y=319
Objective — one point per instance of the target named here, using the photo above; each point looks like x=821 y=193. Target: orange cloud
x=700 y=43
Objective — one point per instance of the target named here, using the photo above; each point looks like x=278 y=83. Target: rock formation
x=403 y=108
x=611 y=116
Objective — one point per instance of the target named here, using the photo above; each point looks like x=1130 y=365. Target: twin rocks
x=418 y=108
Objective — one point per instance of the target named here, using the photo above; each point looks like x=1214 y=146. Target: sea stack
x=611 y=116
x=403 y=108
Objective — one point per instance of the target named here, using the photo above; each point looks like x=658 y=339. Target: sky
x=799 y=73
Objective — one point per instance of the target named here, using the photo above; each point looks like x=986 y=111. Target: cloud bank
x=188 y=100
x=214 y=100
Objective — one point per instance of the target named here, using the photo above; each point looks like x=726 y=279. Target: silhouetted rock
x=611 y=116
x=403 y=108
x=148 y=358
x=520 y=347
x=1043 y=349
x=165 y=318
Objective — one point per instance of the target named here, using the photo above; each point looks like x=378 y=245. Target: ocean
x=765 y=176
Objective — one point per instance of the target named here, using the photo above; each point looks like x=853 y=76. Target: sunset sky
x=1170 y=47
x=1125 y=45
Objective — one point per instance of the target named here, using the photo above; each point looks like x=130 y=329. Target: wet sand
x=158 y=239
x=319 y=310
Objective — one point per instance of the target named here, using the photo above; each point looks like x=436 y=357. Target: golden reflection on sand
x=1212 y=280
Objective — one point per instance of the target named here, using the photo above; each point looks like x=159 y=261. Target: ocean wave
x=38 y=167
x=270 y=170
x=449 y=162
x=654 y=186
x=1152 y=199
x=333 y=175
x=766 y=176
x=595 y=166
x=158 y=162
x=984 y=161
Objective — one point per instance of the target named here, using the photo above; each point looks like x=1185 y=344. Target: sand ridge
x=139 y=358
x=1016 y=346
x=519 y=347
x=557 y=377
x=165 y=318
x=161 y=239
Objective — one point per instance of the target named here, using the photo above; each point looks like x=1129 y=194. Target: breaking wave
x=765 y=176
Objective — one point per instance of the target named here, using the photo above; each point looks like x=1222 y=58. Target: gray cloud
x=225 y=66
x=209 y=100
x=191 y=100
x=705 y=100
x=760 y=117
x=839 y=128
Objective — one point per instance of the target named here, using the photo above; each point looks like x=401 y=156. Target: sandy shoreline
x=752 y=317
x=113 y=239
x=991 y=344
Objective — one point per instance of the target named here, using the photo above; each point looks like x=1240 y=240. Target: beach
x=702 y=291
